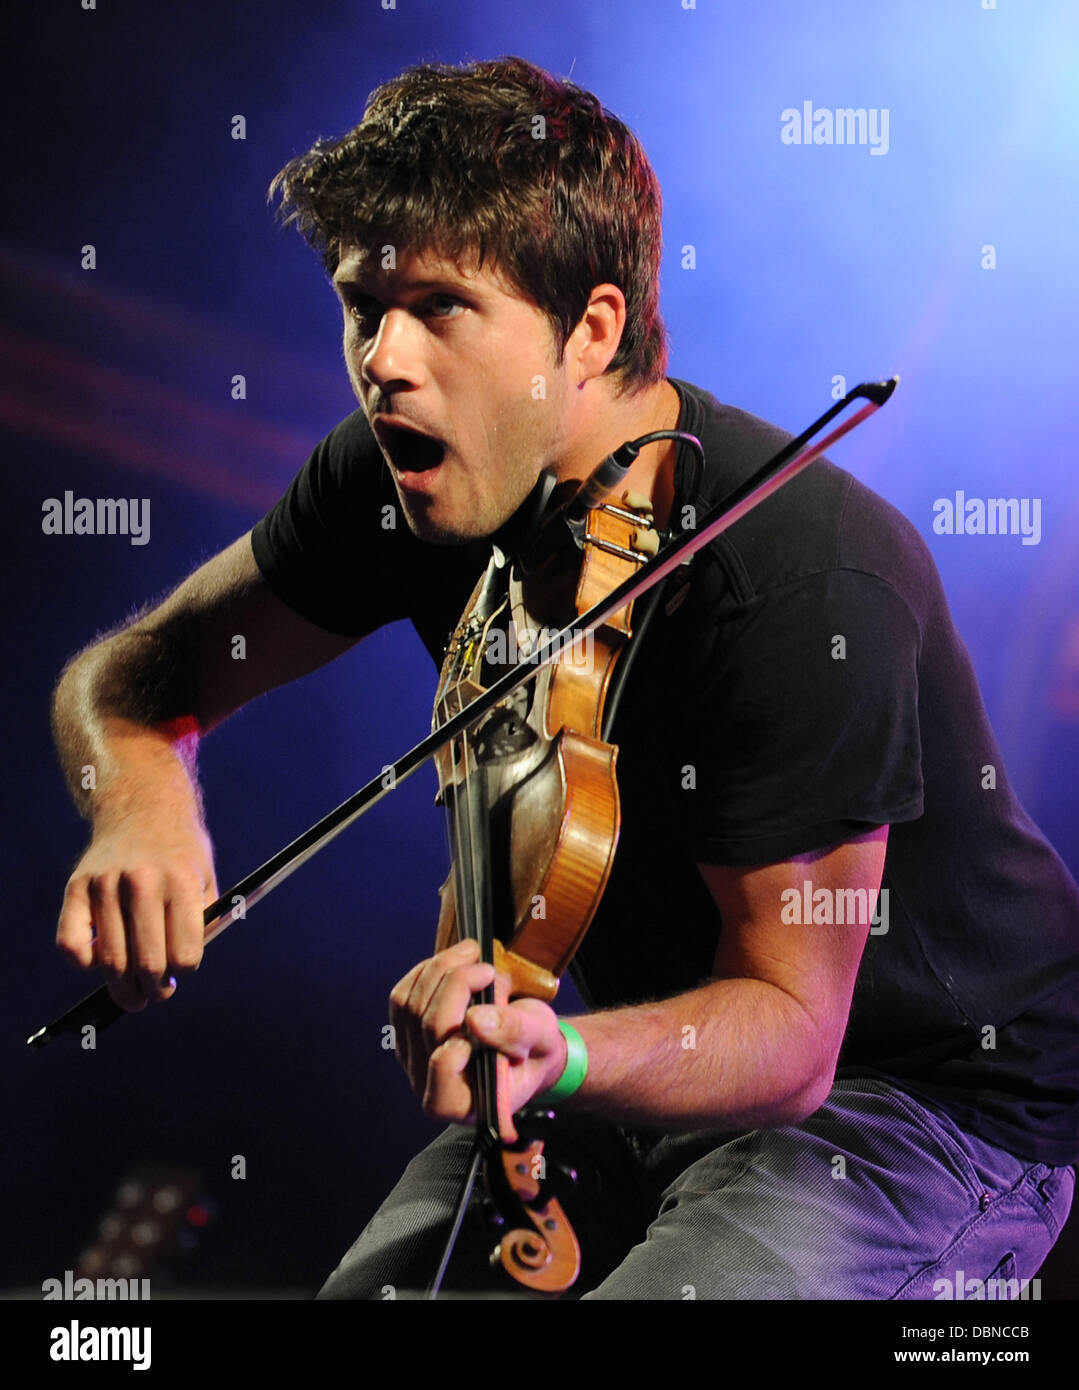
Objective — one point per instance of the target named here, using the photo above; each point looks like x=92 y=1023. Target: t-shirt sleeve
x=808 y=730
x=329 y=548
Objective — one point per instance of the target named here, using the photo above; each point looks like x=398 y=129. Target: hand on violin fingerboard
x=437 y=1028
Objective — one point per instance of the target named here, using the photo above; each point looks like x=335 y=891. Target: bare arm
x=127 y=717
x=759 y=1044
x=755 y=1046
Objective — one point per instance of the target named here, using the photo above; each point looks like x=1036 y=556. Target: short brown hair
x=497 y=160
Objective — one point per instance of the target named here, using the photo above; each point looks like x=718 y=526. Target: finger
x=504 y=1101
x=399 y=995
x=443 y=1019
x=125 y=990
x=412 y=992
x=134 y=990
x=514 y=1031
x=408 y=1038
x=447 y=1094
x=74 y=930
x=110 y=945
x=450 y=1001
x=184 y=929
x=142 y=900
x=430 y=974
x=411 y=998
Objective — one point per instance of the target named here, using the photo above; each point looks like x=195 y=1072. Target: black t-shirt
x=806 y=686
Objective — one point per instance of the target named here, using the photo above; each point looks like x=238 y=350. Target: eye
x=363 y=311
x=442 y=305
x=367 y=313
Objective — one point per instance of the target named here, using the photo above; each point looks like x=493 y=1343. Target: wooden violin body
x=553 y=790
x=533 y=810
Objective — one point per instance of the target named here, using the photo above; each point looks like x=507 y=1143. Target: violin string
x=461 y=851
x=459 y=817
x=469 y=818
x=476 y=810
x=467 y=810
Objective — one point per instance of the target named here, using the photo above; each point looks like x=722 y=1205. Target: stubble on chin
x=424 y=526
x=475 y=521
x=430 y=534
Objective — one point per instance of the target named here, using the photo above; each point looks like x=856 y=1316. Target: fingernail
x=486 y=1017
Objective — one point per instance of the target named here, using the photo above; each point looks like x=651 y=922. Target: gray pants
x=874 y=1196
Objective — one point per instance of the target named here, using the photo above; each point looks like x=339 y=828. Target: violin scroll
x=540 y=1250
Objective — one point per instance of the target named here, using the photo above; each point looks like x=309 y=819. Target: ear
x=594 y=342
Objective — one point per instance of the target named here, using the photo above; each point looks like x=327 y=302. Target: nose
x=392 y=358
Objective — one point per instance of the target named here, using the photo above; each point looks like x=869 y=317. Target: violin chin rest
x=527 y=978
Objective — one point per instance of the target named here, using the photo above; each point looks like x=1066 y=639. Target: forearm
x=735 y=1054
x=124 y=726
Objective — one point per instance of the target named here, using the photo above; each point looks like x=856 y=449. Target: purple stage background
x=945 y=252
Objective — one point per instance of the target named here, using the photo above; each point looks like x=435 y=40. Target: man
x=775 y=1094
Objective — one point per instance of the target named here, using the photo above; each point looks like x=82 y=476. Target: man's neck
x=652 y=472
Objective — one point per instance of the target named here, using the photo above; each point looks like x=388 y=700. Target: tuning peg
x=637 y=501
x=645 y=542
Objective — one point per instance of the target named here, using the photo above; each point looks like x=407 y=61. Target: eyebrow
x=363 y=282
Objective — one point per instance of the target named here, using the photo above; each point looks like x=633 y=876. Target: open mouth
x=409 y=451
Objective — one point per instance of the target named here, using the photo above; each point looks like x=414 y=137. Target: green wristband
x=575 y=1070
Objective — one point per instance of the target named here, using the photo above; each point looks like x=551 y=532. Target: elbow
x=806 y=1093
x=811 y=1083
x=807 y=1104
x=811 y=1097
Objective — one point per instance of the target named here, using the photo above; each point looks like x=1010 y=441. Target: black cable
x=642 y=620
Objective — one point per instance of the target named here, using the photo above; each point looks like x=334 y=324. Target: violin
x=533 y=817
x=528 y=783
